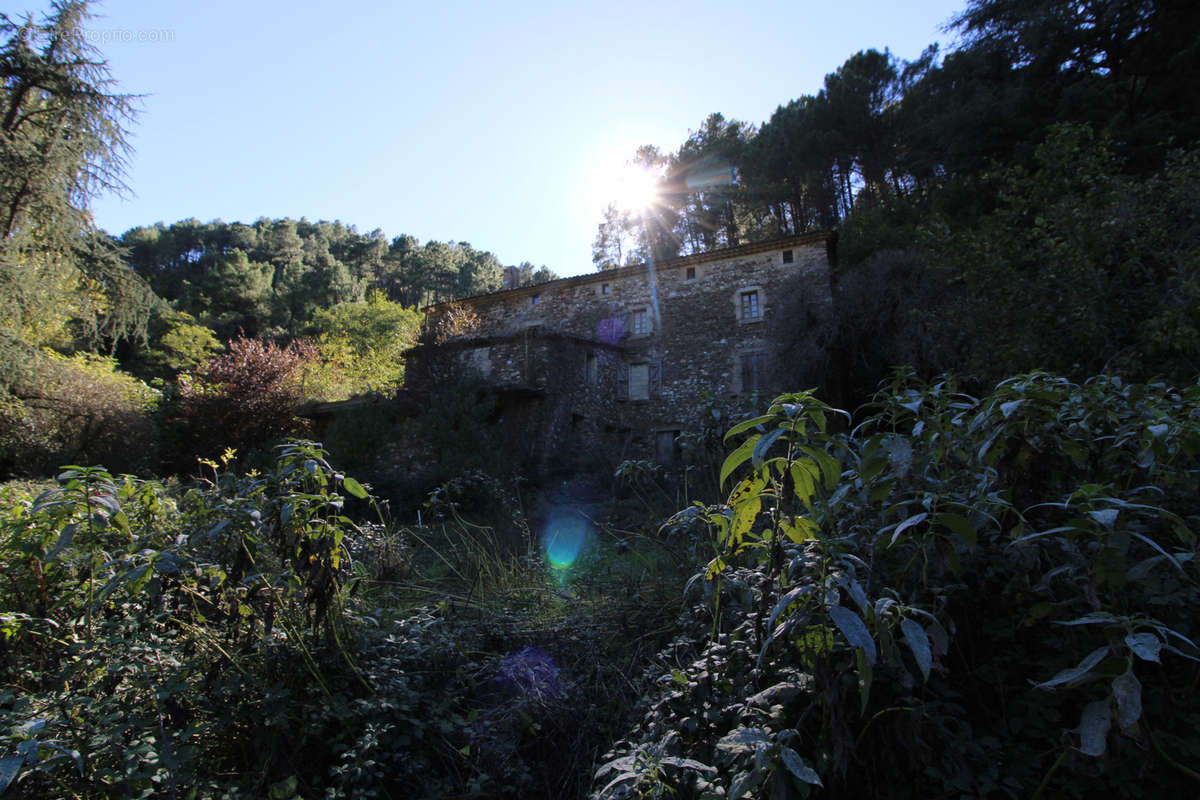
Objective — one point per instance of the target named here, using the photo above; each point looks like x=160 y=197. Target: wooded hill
x=269 y=277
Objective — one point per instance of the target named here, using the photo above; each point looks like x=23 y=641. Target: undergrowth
x=954 y=597
x=959 y=597
x=248 y=637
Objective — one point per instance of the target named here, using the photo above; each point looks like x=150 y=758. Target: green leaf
x=137 y=578
x=959 y=526
x=803 y=482
x=9 y=767
x=1145 y=646
x=1093 y=727
x=64 y=541
x=866 y=674
x=743 y=740
x=856 y=592
x=1089 y=619
x=918 y=642
x=740 y=785
x=799 y=529
x=795 y=765
x=763 y=445
x=780 y=606
x=855 y=630
x=354 y=487
x=830 y=467
x=915 y=519
x=738 y=456
x=1127 y=690
x=715 y=568
x=1008 y=408
x=1162 y=552
x=1106 y=517
x=745 y=514
x=880 y=493
x=1078 y=671
x=746 y=425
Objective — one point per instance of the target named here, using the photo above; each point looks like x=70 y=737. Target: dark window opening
x=788 y=257
x=754 y=372
x=666 y=447
x=690 y=274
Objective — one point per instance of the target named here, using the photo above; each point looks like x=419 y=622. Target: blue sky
x=492 y=123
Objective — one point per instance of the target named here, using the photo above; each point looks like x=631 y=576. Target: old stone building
x=618 y=361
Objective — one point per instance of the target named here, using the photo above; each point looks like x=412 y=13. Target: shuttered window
x=639 y=381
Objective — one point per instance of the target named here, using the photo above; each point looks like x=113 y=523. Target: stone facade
x=619 y=359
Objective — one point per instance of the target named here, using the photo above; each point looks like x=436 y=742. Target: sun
x=630 y=188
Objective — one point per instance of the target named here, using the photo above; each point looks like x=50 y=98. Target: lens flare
x=564 y=537
x=530 y=672
x=610 y=330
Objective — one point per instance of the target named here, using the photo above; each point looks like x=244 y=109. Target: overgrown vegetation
x=960 y=596
x=244 y=637
x=954 y=596
x=980 y=586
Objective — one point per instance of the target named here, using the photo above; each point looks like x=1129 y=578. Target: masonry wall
x=699 y=337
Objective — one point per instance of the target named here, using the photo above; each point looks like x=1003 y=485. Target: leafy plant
x=890 y=606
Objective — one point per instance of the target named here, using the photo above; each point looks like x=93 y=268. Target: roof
x=638 y=269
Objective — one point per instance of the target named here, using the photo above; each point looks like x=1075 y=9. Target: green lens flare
x=564 y=538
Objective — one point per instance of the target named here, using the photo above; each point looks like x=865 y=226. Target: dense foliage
x=270 y=277
x=244 y=398
x=245 y=638
x=883 y=133
x=961 y=597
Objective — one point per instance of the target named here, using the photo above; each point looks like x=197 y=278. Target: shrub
x=80 y=408
x=246 y=398
x=963 y=596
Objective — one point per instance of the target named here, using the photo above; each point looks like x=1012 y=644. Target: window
x=666 y=447
x=533 y=301
x=689 y=274
x=605 y=288
x=788 y=257
x=752 y=367
x=479 y=359
x=639 y=322
x=749 y=304
x=591 y=369
x=639 y=381
x=750 y=307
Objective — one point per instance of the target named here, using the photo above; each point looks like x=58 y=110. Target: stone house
x=618 y=361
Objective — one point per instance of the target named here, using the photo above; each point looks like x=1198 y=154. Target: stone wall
x=613 y=367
